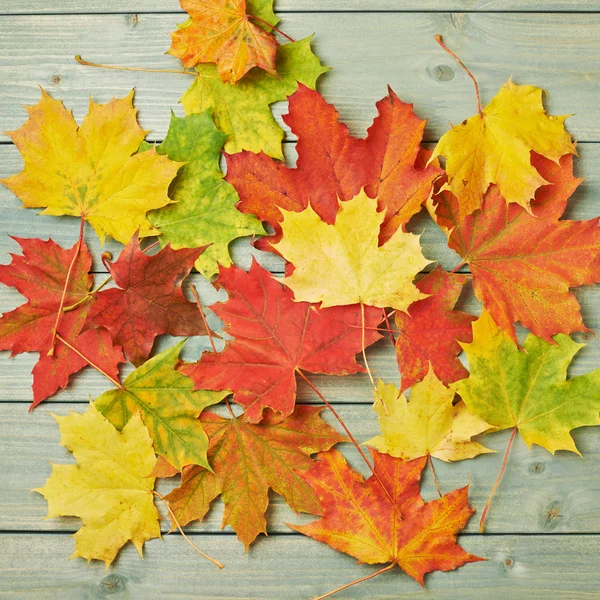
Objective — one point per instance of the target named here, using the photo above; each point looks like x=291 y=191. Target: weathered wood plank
x=555 y=51
x=20 y=222
x=166 y=6
x=296 y=568
x=539 y=493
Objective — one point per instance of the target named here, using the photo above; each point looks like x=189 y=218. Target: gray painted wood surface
x=13 y=7
x=544 y=528
x=556 y=51
x=296 y=568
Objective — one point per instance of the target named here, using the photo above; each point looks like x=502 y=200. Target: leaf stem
x=199 y=305
x=349 y=433
x=435 y=481
x=229 y=408
x=389 y=327
x=438 y=39
x=87 y=63
x=99 y=287
x=489 y=500
x=273 y=28
x=362 y=345
x=458 y=266
x=343 y=587
x=185 y=537
x=150 y=246
x=65 y=288
x=364 y=354
x=89 y=295
x=89 y=362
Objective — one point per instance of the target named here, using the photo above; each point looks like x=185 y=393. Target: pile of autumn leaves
x=339 y=220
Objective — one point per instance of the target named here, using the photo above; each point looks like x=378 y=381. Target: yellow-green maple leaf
x=169 y=407
x=242 y=111
x=110 y=489
x=343 y=264
x=528 y=389
x=427 y=425
x=91 y=171
x=495 y=147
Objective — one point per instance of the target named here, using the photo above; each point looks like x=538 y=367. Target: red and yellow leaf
x=249 y=459
x=332 y=165
x=222 y=32
x=524 y=264
x=394 y=525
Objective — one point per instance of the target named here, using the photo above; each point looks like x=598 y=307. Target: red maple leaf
x=524 y=264
x=431 y=331
x=394 y=525
x=334 y=165
x=149 y=300
x=40 y=275
x=274 y=336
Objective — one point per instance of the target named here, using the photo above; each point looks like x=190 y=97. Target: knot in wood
x=441 y=72
x=110 y=585
x=537 y=468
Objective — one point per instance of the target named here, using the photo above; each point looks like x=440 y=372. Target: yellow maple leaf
x=427 y=425
x=343 y=264
x=109 y=489
x=495 y=147
x=91 y=171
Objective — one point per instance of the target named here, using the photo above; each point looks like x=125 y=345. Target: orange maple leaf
x=247 y=460
x=524 y=264
x=394 y=525
x=221 y=32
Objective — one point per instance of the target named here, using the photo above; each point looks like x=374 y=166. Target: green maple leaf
x=243 y=110
x=528 y=389
x=204 y=209
x=168 y=405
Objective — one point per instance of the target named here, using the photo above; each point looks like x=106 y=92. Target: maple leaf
x=361 y=520
x=523 y=265
x=242 y=111
x=527 y=389
x=40 y=275
x=204 y=209
x=495 y=146
x=221 y=32
x=149 y=300
x=109 y=489
x=249 y=459
x=427 y=425
x=89 y=171
x=430 y=332
x=168 y=405
x=274 y=337
x=342 y=263
x=333 y=166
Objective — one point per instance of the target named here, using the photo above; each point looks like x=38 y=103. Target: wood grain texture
x=396 y=49
x=12 y=7
x=296 y=568
x=539 y=493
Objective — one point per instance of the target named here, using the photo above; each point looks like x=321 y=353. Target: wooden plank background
x=543 y=537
